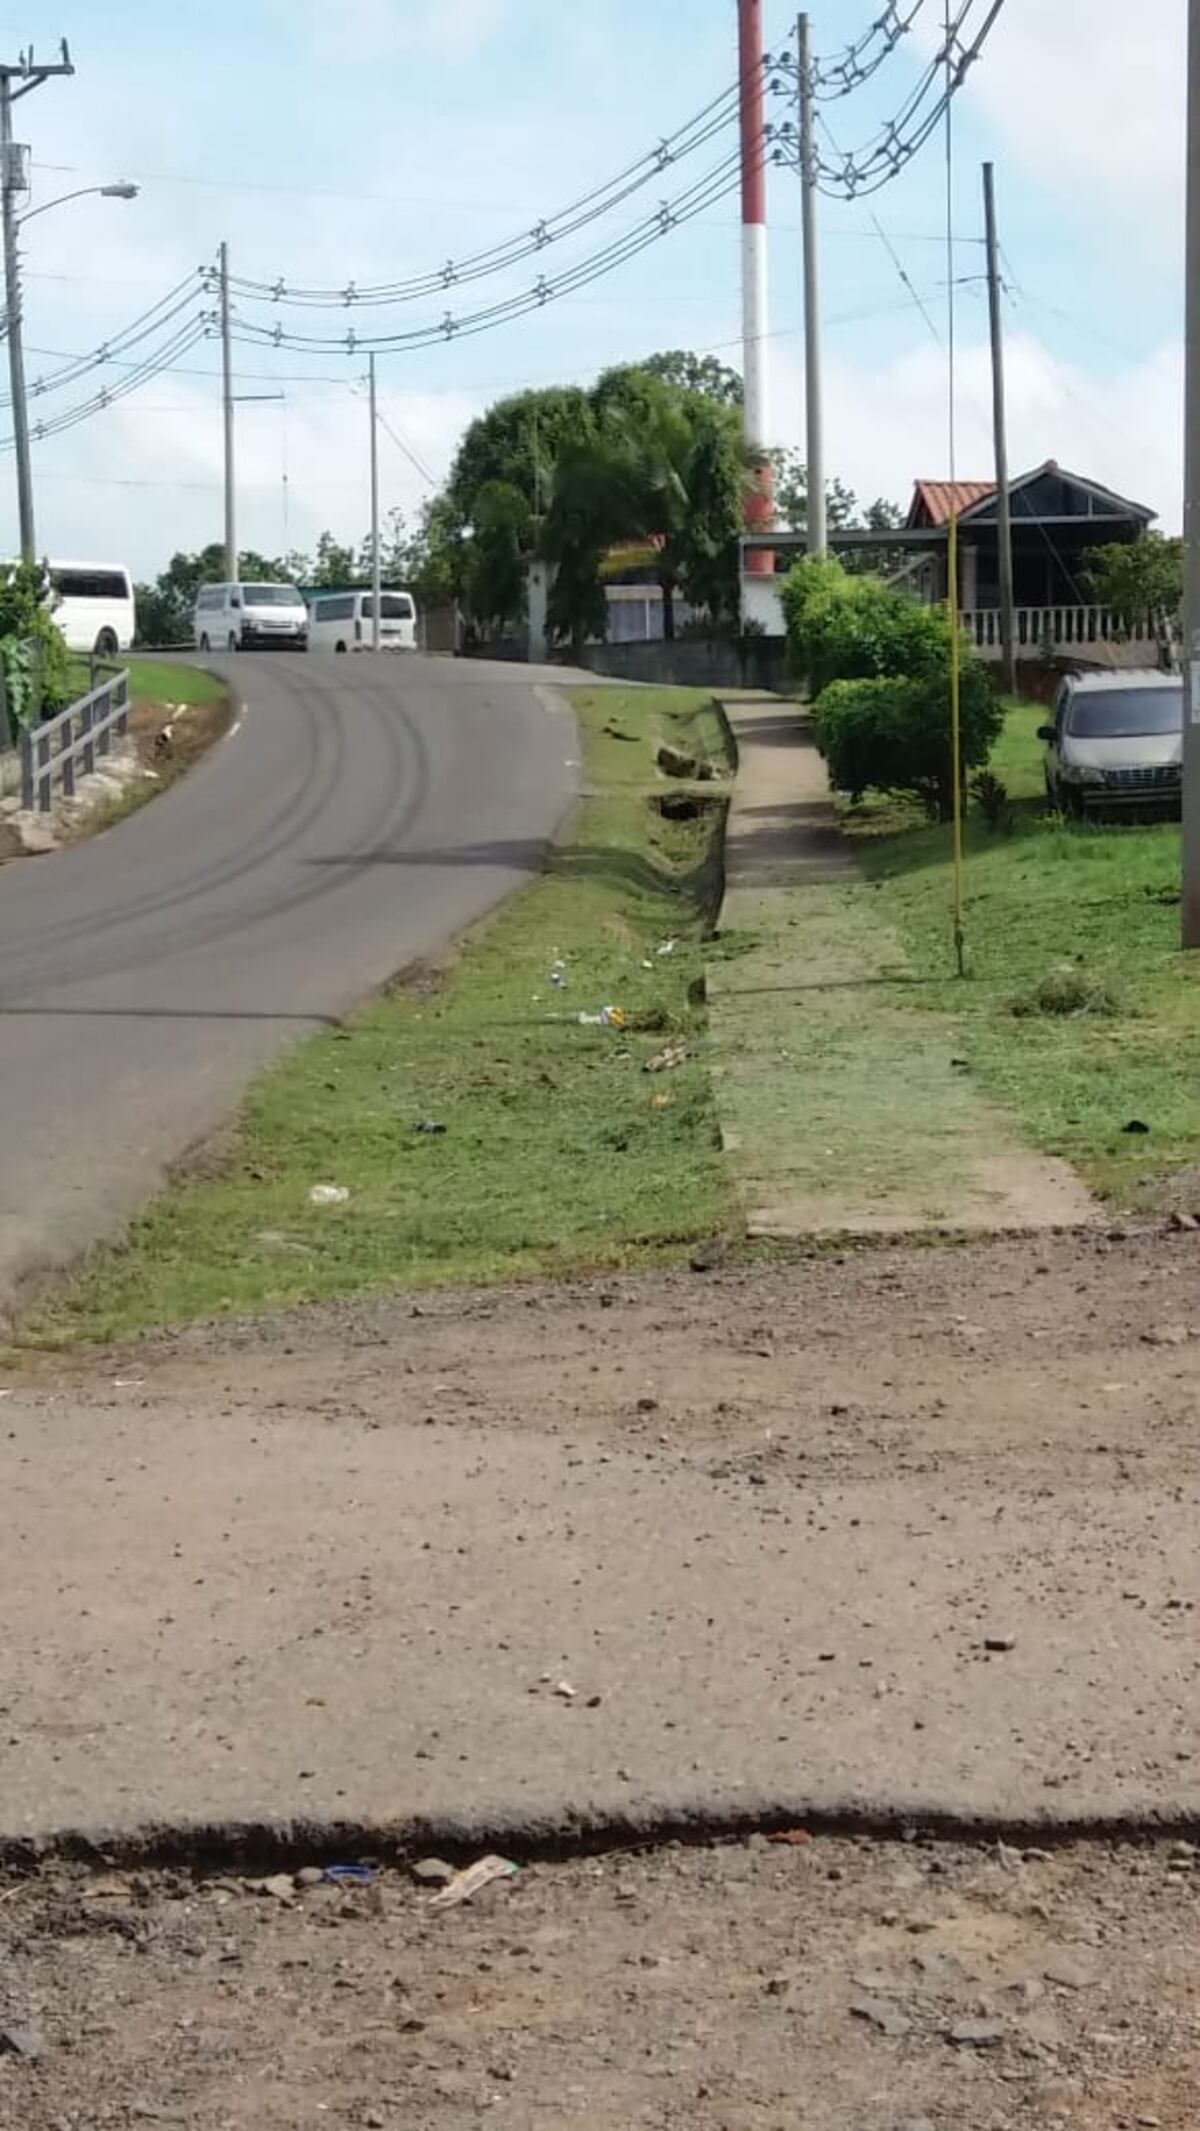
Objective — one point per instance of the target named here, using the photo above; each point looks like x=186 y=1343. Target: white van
x=249 y=617
x=345 y=621
x=93 y=606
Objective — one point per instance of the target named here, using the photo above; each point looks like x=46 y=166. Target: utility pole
x=759 y=508
x=1008 y=630
x=28 y=74
x=231 y=546
x=816 y=533
x=376 y=581
x=1190 y=898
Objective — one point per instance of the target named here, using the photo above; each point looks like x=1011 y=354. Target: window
x=340 y=609
x=393 y=607
x=1126 y=713
x=271 y=596
x=209 y=597
x=90 y=584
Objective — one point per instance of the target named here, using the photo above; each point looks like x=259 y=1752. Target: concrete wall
x=694 y=662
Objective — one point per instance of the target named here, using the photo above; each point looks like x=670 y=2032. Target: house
x=1056 y=517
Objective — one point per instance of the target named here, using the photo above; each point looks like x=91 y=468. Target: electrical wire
x=715 y=118
x=160 y=314
x=834 y=78
x=185 y=338
x=716 y=184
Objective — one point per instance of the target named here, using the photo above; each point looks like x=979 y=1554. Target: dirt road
x=842 y=1986
x=902 y=1532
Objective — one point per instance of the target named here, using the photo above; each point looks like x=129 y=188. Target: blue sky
x=383 y=137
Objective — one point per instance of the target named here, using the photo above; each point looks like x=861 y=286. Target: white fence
x=1049 y=629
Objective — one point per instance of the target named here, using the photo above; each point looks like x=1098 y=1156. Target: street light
x=121 y=190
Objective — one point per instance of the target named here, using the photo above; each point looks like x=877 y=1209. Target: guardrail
x=78 y=734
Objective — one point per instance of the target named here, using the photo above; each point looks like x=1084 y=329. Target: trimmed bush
x=892 y=734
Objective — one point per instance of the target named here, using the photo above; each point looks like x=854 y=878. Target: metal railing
x=77 y=735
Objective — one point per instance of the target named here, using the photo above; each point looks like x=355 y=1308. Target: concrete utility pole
x=231 y=546
x=816 y=529
x=1008 y=625
x=1191 y=507
x=26 y=73
x=376 y=580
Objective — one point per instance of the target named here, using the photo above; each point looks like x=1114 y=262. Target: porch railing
x=1041 y=629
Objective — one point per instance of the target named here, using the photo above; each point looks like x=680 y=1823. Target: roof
x=936 y=502
x=1126 y=677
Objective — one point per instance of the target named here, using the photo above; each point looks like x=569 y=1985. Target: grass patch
x=559 y=1153
x=1045 y=897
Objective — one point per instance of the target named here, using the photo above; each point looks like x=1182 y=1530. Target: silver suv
x=1116 y=741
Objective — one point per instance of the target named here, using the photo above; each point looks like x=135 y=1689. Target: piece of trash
x=329 y=1195
x=127 y=1383
x=668 y=947
x=1135 y=1125
x=609 y=1017
x=793 y=1838
x=467 y=1884
x=350 y=1875
x=558 y=975
x=430 y=1128
x=663 y=1061
x=661 y=1102
x=999 y=1643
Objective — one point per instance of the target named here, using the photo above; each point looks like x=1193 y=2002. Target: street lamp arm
x=105 y=192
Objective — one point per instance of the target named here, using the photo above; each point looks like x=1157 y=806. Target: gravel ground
x=843 y=1985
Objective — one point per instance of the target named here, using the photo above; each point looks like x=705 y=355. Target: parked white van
x=250 y=617
x=345 y=621
x=93 y=606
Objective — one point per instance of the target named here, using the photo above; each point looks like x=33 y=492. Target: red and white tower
x=760 y=508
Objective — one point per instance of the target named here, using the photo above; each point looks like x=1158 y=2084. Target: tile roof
x=933 y=501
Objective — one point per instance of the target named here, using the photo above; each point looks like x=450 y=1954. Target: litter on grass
x=609 y=1017
x=329 y=1195
x=466 y=1884
x=663 y=1061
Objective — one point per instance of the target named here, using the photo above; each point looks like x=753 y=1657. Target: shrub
x=34 y=659
x=893 y=734
x=843 y=628
x=990 y=794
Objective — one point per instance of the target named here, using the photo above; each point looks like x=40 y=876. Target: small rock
x=877 y=1985
x=887 y=2018
x=431 y=1871
x=709 y=1257
x=311 y=1876
x=1166 y=1335
x=374 y=2120
x=975 y=2034
x=565 y=1691
x=20 y=2038
x=1071 y=1974
x=1183 y=1222
x=999 y=1642
x=675 y=763
x=281 y=1887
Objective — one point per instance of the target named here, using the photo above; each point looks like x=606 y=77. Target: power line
x=714 y=119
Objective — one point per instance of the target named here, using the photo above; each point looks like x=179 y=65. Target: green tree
x=497 y=554
x=700 y=374
x=515 y=442
x=1137 y=578
x=33 y=655
x=336 y=567
x=791 y=494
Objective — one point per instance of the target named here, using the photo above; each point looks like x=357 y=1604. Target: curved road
x=359 y=815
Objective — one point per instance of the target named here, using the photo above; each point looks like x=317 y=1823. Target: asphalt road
x=360 y=814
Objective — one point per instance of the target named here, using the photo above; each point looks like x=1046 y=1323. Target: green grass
x=559 y=1152
x=158 y=681
x=1100 y=896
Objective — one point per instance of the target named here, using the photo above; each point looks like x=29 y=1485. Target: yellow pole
x=956 y=741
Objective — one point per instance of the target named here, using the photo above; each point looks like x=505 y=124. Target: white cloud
x=888 y=425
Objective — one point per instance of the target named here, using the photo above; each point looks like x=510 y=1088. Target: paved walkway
x=844 y=1109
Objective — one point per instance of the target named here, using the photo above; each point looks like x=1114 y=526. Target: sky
x=383 y=138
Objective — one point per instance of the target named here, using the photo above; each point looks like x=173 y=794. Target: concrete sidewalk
x=844 y=1111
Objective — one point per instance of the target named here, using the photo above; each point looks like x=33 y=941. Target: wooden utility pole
x=1008 y=626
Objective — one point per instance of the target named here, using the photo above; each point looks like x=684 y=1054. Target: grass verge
x=559 y=1151
x=176 y=714
x=1079 y=1014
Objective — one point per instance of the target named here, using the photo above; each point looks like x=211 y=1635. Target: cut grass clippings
x=558 y=1150
x=1085 y=1055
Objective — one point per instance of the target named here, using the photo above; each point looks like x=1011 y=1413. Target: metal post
x=16 y=346
x=816 y=533
x=376 y=580
x=1008 y=634
x=1190 y=899
x=231 y=546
